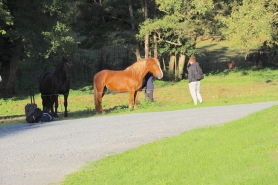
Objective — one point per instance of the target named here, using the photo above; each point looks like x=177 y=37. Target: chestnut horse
x=128 y=80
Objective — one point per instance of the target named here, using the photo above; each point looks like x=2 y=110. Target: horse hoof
x=98 y=112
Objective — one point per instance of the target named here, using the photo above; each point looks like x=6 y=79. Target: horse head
x=153 y=66
x=66 y=68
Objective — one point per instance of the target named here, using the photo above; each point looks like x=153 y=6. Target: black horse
x=54 y=83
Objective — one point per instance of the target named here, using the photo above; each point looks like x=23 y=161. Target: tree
x=5 y=45
x=137 y=49
x=5 y=17
x=102 y=23
x=145 y=10
x=250 y=24
x=35 y=29
x=179 y=27
x=113 y=22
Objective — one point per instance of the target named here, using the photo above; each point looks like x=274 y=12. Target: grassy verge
x=225 y=88
x=240 y=152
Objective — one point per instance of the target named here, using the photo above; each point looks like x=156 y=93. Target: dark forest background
x=113 y=34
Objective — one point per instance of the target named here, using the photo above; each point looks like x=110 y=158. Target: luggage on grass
x=32 y=112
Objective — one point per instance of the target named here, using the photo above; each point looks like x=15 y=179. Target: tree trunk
x=164 y=65
x=147 y=34
x=137 y=53
x=147 y=45
x=176 y=68
x=181 y=65
x=172 y=63
x=137 y=49
x=131 y=16
x=155 y=53
x=11 y=84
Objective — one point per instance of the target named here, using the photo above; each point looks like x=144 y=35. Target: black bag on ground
x=29 y=109
x=46 y=117
x=32 y=112
x=35 y=116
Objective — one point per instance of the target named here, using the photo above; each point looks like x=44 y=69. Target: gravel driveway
x=43 y=153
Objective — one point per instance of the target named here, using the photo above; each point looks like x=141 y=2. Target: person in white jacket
x=194 y=84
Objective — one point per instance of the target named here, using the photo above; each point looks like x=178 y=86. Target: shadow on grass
x=116 y=109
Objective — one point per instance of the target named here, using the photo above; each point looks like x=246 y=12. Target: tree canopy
x=32 y=29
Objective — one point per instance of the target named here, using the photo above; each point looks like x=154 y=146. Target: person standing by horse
x=149 y=86
x=194 y=83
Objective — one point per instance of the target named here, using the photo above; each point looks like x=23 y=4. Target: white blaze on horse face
x=0 y=79
x=161 y=75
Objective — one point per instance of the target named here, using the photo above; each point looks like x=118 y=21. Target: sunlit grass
x=240 y=152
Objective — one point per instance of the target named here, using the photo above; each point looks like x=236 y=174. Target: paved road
x=43 y=153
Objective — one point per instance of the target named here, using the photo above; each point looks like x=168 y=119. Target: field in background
x=225 y=88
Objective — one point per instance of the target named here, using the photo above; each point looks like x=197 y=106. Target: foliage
x=109 y=23
x=249 y=24
x=34 y=20
x=180 y=26
x=5 y=17
x=5 y=22
x=39 y=29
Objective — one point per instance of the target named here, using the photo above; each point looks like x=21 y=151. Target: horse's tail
x=95 y=93
x=99 y=90
x=99 y=78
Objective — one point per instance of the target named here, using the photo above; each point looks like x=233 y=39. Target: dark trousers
x=149 y=95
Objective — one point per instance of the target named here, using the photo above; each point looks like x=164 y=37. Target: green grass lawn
x=240 y=152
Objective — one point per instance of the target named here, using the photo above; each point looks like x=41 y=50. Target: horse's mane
x=137 y=66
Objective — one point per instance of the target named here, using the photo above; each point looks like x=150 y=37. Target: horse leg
x=43 y=102
x=50 y=104
x=131 y=99
x=66 y=104
x=104 y=91
x=98 y=94
x=46 y=102
x=136 y=95
x=55 y=103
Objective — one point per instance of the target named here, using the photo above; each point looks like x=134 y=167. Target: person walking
x=149 y=86
x=194 y=83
